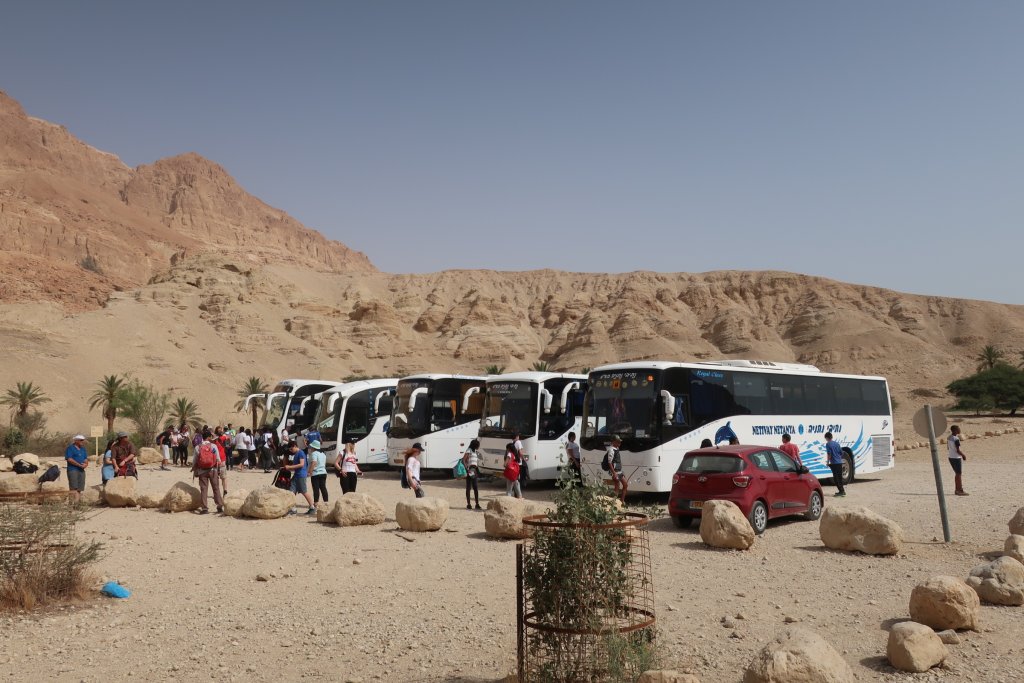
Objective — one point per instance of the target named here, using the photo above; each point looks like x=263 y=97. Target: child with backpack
x=511 y=473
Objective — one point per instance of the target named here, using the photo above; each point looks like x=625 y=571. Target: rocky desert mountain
x=185 y=300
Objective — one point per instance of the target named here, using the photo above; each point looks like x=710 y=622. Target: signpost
x=926 y=421
x=96 y=433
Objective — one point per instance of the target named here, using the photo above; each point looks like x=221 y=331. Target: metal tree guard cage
x=585 y=599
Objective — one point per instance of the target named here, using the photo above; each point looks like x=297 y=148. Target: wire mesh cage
x=586 y=601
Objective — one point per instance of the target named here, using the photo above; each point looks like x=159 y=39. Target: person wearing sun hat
x=317 y=471
x=78 y=459
x=412 y=469
x=124 y=456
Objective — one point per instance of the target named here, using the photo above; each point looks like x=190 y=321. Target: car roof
x=731 y=450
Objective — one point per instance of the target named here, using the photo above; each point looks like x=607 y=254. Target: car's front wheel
x=681 y=521
x=758 y=517
x=814 y=506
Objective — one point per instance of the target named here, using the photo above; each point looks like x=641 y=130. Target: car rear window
x=711 y=464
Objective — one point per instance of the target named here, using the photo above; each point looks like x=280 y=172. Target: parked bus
x=440 y=412
x=542 y=407
x=292 y=406
x=661 y=410
x=357 y=412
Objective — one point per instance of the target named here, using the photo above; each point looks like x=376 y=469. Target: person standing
x=184 y=439
x=206 y=466
x=77 y=459
x=471 y=461
x=124 y=457
x=524 y=470
x=299 y=467
x=228 y=442
x=412 y=469
x=250 y=448
x=347 y=467
x=512 y=472
x=163 y=440
x=613 y=460
x=107 y=471
x=834 y=457
x=790 y=449
x=572 y=449
x=956 y=459
x=317 y=471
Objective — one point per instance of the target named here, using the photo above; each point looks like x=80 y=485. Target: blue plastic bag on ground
x=115 y=590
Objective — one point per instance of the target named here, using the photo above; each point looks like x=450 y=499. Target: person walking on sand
x=834 y=458
x=206 y=466
x=572 y=449
x=613 y=460
x=124 y=457
x=298 y=464
x=511 y=472
x=317 y=471
x=790 y=449
x=471 y=461
x=77 y=459
x=347 y=467
x=412 y=469
x=956 y=459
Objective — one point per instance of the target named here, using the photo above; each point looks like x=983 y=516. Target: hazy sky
x=872 y=142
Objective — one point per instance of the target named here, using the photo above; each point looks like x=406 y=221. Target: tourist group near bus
x=659 y=410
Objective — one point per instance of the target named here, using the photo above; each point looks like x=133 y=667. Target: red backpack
x=207 y=459
x=512 y=470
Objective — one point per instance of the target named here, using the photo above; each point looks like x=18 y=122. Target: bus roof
x=349 y=388
x=532 y=376
x=435 y=375
x=737 y=365
x=296 y=383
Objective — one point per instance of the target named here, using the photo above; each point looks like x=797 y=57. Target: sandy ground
x=363 y=604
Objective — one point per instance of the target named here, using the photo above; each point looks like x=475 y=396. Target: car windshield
x=623 y=403
x=711 y=463
x=510 y=408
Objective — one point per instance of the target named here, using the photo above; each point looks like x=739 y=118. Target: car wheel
x=848 y=467
x=759 y=517
x=814 y=506
x=681 y=521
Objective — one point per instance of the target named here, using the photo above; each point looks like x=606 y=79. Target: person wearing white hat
x=317 y=471
x=78 y=459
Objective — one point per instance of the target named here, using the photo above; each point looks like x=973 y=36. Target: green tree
x=185 y=411
x=253 y=385
x=23 y=396
x=146 y=408
x=107 y=397
x=989 y=357
x=1001 y=386
x=494 y=369
x=541 y=366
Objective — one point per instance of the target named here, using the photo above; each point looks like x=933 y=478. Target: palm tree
x=989 y=357
x=22 y=397
x=541 y=366
x=585 y=371
x=253 y=385
x=108 y=396
x=494 y=369
x=185 y=411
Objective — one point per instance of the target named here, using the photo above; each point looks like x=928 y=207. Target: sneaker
x=840 y=494
x=468 y=506
x=220 y=508
x=311 y=511
x=292 y=512
x=165 y=469
x=962 y=493
x=204 y=511
x=478 y=508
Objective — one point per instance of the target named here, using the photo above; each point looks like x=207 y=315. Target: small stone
x=262 y=577
x=357 y=561
x=949 y=637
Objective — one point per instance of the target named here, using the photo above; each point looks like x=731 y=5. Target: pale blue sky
x=873 y=142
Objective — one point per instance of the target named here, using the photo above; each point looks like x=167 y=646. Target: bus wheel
x=848 y=468
x=682 y=522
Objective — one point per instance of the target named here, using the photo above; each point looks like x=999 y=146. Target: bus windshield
x=326 y=421
x=276 y=412
x=510 y=408
x=622 y=403
x=411 y=415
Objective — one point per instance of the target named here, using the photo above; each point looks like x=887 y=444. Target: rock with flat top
x=120 y=492
x=914 y=647
x=999 y=582
x=421 y=514
x=798 y=656
x=945 y=602
x=357 y=509
x=504 y=517
x=19 y=483
x=268 y=502
x=861 y=530
x=149 y=456
x=723 y=525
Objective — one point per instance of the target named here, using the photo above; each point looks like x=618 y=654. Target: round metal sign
x=938 y=421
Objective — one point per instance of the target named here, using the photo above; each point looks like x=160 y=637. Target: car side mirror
x=801 y=469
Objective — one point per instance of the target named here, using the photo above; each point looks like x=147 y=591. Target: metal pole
x=520 y=654
x=938 y=475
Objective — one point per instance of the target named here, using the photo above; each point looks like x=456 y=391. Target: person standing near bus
x=347 y=467
x=524 y=470
x=512 y=474
x=572 y=449
x=613 y=459
x=790 y=449
x=412 y=469
x=317 y=471
x=956 y=459
x=834 y=458
x=471 y=461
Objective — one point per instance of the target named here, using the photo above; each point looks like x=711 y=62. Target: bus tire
x=682 y=521
x=758 y=517
x=848 y=467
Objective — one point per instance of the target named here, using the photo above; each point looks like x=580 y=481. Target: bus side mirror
x=669 y=402
x=547 y=400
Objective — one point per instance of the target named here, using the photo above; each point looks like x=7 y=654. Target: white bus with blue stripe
x=661 y=410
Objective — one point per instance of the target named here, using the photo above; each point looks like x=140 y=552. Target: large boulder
x=798 y=656
x=150 y=501
x=1017 y=523
x=666 y=676
x=945 y=602
x=1014 y=547
x=859 y=529
x=120 y=492
x=268 y=502
x=181 y=497
x=1000 y=582
x=30 y=458
x=149 y=456
x=914 y=647
x=92 y=496
x=19 y=483
x=6 y=464
x=722 y=525
x=356 y=509
x=421 y=514
x=234 y=501
x=504 y=516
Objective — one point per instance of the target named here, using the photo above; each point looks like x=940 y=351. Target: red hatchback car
x=764 y=482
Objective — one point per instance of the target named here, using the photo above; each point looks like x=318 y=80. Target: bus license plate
x=696 y=504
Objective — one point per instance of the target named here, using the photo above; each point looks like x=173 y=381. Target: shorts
x=76 y=479
x=299 y=485
x=957 y=464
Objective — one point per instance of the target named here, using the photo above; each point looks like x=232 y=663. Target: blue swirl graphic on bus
x=725 y=434
x=813 y=455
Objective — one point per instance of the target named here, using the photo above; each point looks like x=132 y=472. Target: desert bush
x=90 y=263
x=146 y=408
x=41 y=561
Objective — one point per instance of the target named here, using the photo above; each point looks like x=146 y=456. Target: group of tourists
x=243 y=448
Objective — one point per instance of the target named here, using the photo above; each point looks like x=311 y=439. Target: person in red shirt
x=790 y=449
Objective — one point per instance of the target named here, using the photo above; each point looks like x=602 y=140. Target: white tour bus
x=440 y=412
x=292 y=406
x=357 y=412
x=543 y=407
x=661 y=410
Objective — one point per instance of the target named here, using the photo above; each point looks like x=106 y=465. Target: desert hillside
x=185 y=302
